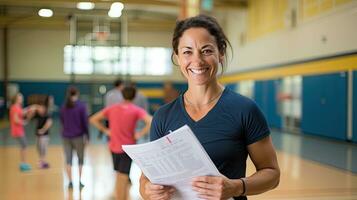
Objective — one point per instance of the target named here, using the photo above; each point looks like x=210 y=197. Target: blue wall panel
x=259 y=93
x=87 y=90
x=324 y=110
x=354 y=138
x=231 y=86
x=56 y=89
x=265 y=97
x=272 y=109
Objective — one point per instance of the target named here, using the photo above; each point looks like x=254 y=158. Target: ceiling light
x=85 y=5
x=117 y=6
x=114 y=14
x=45 y=12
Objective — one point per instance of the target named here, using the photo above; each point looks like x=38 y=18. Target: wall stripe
x=152 y=93
x=339 y=64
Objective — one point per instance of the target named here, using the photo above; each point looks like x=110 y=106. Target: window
x=153 y=64
x=117 y=60
x=82 y=62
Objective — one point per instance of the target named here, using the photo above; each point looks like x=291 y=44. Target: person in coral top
x=122 y=119
x=18 y=118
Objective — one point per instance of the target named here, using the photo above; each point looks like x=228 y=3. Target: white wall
x=38 y=54
x=150 y=39
x=301 y=43
x=234 y=26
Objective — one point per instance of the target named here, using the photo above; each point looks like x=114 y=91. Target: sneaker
x=25 y=167
x=81 y=186
x=70 y=185
x=44 y=165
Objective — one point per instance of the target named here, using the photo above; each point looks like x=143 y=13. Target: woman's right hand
x=150 y=191
x=107 y=132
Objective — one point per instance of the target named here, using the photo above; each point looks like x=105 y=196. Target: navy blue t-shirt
x=224 y=132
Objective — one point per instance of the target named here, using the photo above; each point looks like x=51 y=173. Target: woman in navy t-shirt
x=229 y=126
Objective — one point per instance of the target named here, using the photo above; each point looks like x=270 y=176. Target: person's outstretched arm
x=96 y=121
x=145 y=130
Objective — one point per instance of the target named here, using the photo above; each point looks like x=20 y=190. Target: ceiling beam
x=33 y=22
x=172 y=3
x=142 y=14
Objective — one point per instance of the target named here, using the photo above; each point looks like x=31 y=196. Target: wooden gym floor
x=327 y=172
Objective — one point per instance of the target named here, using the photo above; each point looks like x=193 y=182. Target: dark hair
x=118 y=82
x=201 y=21
x=14 y=98
x=46 y=101
x=129 y=93
x=71 y=91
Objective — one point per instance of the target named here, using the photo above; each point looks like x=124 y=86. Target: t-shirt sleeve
x=141 y=113
x=155 y=127
x=106 y=111
x=256 y=126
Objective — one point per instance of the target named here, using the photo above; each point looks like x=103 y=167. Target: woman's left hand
x=215 y=187
x=41 y=131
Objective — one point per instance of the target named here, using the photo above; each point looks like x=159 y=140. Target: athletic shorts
x=22 y=141
x=121 y=162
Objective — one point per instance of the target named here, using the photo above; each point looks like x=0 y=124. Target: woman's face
x=19 y=99
x=74 y=97
x=198 y=56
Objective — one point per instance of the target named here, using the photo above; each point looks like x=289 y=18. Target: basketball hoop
x=102 y=36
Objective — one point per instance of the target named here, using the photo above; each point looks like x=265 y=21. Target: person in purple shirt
x=74 y=119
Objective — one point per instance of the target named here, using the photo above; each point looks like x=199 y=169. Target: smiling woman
x=229 y=126
x=198 y=56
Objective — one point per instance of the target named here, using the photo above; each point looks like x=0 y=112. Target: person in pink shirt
x=122 y=119
x=18 y=118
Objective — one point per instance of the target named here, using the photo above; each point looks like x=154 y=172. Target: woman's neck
x=127 y=101
x=203 y=95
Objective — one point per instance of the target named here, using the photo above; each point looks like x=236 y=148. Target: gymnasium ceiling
x=141 y=15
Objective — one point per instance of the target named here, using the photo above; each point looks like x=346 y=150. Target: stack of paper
x=173 y=160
